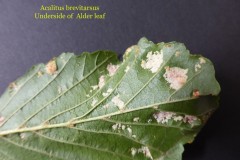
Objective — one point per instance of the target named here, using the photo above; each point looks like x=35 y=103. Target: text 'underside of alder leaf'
x=93 y=106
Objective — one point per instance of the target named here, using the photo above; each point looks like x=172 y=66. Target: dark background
x=211 y=28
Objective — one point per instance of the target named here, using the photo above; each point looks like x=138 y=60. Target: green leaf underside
x=63 y=116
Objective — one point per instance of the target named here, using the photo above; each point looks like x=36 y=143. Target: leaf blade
x=95 y=107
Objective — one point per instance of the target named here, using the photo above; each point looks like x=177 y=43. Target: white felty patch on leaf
x=108 y=92
x=163 y=117
x=51 y=67
x=145 y=150
x=123 y=127
x=59 y=89
x=106 y=106
x=177 y=53
x=133 y=151
x=112 y=69
x=177 y=118
x=153 y=61
x=127 y=69
x=189 y=119
x=129 y=130
x=13 y=86
x=40 y=73
x=149 y=120
x=197 y=66
x=136 y=119
x=1 y=119
x=22 y=135
x=115 y=126
x=105 y=94
x=118 y=102
x=202 y=60
x=176 y=76
x=94 y=102
x=94 y=87
x=118 y=126
x=101 y=82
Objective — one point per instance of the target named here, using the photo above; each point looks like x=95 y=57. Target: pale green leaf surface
x=64 y=116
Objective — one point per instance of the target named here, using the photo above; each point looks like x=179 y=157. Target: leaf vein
x=25 y=121
x=147 y=124
x=77 y=105
x=14 y=95
x=18 y=109
x=5 y=154
x=28 y=148
x=118 y=134
x=81 y=145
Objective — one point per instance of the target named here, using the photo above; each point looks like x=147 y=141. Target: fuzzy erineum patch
x=105 y=94
x=94 y=87
x=123 y=127
x=94 y=102
x=59 y=89
x=145 y=150
x=153 y=61
x=108 y=92
x=133 y=151
x=163 y=117
x=177 y=118
x=115 y=126
x=197 y=67
x=101 y=82
x=13 y=86
x=149 y=120
x=136 y=119
x=118 y=102
x=39 y=74
x=177 y=53
x=127 y=69
x=128 y=50
x=202 y=60
x=129 y=130
x=118 y=126
x=23 y=135
x=189 y=119
x=176 y=76
x=51 y=67
x=134 y=136
x=1 y=119
x=196 y=93
x=106 y=106
x=112 y=69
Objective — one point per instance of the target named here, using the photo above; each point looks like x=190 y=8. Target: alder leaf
x=92 y=106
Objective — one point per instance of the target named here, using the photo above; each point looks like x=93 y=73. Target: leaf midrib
x=70 y=123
